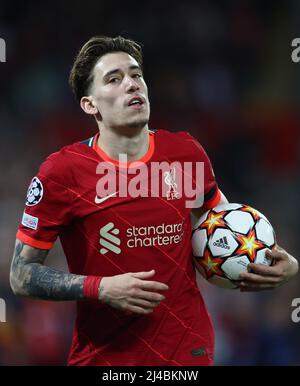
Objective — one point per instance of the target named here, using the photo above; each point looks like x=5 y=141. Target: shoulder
x=160 y=133
x=181 y=141
x=179 y=136
x=61 y=164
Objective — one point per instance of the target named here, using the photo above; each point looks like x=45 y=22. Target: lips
x=136 y=100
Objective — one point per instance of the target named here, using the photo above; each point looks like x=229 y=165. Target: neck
x=134 y=144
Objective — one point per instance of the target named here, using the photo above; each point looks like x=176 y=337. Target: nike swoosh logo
x=102 y=199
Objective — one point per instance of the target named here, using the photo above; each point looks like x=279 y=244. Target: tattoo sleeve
x=30 y=277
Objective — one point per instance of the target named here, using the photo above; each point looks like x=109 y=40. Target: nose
x=131 y=85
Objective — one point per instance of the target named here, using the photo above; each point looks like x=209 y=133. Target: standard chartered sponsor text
x=149 y=236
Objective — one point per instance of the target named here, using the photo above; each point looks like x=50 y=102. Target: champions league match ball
x=226 y=239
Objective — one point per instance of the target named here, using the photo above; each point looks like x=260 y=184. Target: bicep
x=223 y=199
x=24 y=253
x=198 y=212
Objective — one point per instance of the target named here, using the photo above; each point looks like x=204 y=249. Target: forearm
x=131 y=292
x=46 y=283
x=29 y=277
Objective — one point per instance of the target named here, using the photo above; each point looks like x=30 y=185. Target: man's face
x=120 y=92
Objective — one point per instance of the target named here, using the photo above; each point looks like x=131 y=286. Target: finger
x=277 y=253
x=139 y=310
x=143 y=275
x=144 y=303
x=258 y=279
x=277 y=248
x=264 y=270
x=153 y=285
x=151 y=296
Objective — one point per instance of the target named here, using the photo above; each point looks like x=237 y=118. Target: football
x=227 y=238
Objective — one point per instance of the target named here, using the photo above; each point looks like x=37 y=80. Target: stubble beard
x=131 y=128
x=138 y=124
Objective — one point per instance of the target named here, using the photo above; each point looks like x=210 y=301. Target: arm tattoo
x=29 y=277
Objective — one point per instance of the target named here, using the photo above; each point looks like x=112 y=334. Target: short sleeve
x=212 y=194
x=48 y=206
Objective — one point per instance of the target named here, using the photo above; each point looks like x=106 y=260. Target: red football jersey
x=112 y=234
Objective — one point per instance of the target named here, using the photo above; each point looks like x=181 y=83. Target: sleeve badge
x=35 y=192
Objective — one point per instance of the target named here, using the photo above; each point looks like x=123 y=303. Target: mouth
x=136 y=103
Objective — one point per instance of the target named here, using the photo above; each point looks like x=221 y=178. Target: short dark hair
x=81 y=75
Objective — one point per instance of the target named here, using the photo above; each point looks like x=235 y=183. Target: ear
x=88 y=106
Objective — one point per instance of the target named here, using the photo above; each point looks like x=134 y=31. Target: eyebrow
x=132 y=67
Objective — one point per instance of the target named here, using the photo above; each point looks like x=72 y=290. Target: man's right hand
x=132 y=292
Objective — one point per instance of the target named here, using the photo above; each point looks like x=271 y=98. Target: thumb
x=143 y=275
x=277 y=253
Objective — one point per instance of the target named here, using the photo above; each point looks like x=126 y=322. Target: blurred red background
x=221 y=70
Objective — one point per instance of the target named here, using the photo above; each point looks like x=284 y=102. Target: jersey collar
x=107 y=158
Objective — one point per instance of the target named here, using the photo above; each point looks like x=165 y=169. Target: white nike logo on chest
x=99 y=200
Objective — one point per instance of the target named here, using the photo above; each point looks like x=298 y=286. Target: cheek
x=111 y=109
x=112 y=101
x=106 y=104
x=145 y=84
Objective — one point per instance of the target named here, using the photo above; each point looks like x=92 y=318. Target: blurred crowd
x=221 y=70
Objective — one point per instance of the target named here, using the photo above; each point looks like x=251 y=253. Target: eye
x=137 y=75
x=113 y=80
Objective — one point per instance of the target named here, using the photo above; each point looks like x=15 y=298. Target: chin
x=138 y=123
